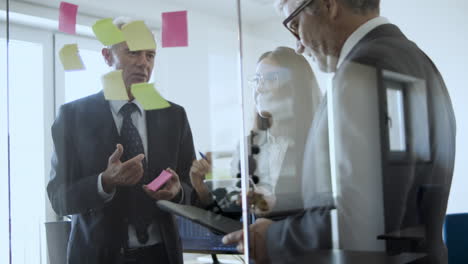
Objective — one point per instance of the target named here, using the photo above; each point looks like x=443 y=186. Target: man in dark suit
x=350 y=38
x=105 y=154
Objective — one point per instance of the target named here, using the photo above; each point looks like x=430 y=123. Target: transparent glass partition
x=4 y=190
x=111 y=105
x=127 y=126
x=353 y=141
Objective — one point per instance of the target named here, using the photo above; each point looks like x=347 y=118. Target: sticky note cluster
x=70 y=58
x=145 y=93
x=136 y=34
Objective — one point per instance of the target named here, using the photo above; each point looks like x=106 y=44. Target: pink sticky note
x=67 y=17
x=160 y=180
x=174 y=29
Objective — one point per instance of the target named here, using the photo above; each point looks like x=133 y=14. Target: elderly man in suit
x=350 y=38
x=105 y=154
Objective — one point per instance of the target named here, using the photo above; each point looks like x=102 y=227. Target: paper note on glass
x=107 y=33
x=114 y=86
x=67 y=17
x=174 y=29
x=138 y=36
x=148 y=97
x=70 y=58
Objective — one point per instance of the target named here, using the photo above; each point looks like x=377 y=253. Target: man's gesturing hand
x=122 y=173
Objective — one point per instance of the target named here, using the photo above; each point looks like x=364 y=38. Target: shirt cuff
x=106 y=196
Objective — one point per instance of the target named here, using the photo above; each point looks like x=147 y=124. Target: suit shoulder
x=176 y=108
x=84 y=102
x=389 y=53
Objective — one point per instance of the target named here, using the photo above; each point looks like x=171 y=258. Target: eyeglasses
x=293 y=27
x=264 y=82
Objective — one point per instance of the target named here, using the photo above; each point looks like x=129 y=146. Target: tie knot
x=128 y=109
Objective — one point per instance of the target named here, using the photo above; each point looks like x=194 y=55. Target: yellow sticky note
x=138 y=36
x=114 y=86
x=148 y=96
x=107 y=33
x=70 y=58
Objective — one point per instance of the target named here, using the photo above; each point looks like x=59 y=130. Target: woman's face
x=273 y=91
x=266 y=86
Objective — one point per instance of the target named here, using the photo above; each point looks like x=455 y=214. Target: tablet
x=215 y=222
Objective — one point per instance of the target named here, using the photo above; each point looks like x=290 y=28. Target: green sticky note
x=114 y=86
x=70 y=58
x=107 y=33
x=138 y=36
x=148 y=96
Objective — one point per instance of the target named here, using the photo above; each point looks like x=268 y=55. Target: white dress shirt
x=139 y=121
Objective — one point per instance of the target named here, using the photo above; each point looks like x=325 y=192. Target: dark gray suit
x=85 y=136
x=384 y=48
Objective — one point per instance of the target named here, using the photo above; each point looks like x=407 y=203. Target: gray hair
x=357 y=6
x=121 y=21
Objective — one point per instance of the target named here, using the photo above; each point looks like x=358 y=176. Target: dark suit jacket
x=387 y=48
x=85 y=135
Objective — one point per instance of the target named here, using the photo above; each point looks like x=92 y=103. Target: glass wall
x=72 y=68
x=4 y=205
x=357 y=135
x=152 y=129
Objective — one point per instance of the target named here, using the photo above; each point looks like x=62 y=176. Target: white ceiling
x=253 y=11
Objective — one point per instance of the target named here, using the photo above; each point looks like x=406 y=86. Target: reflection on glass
x=396 y=118
x=4 y=232
x=79 y=84
x=27 y=145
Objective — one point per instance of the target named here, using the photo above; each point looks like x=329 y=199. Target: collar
x=118 y=104
x=358 y=34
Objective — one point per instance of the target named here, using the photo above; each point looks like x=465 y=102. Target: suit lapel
x=154 y=135
x=103 y=125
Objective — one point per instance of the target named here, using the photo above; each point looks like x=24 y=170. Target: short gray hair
x=121 y=21
x=358 y=6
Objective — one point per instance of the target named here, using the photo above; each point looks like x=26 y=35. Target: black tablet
x=215 y=222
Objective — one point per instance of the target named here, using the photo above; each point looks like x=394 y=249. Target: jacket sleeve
x=69 y=191
x=299 y=234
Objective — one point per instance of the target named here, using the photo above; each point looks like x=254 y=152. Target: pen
x=203 y=156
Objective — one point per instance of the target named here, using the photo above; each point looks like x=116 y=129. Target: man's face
x=136 y=66
x=315 y=34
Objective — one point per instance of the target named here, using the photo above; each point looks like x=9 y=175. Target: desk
x=353 y=257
